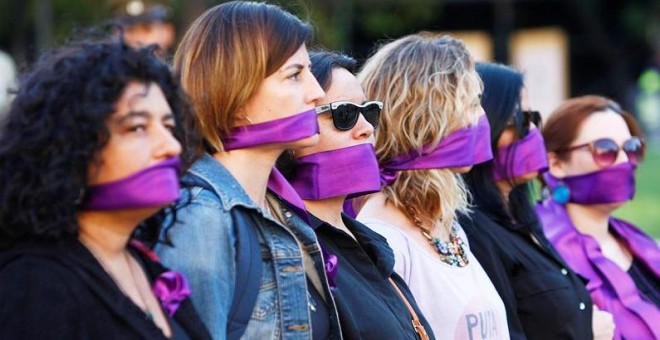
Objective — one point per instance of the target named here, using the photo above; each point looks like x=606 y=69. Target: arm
x=204 y=251
x=37 y=301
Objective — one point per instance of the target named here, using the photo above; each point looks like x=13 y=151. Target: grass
x=644 y=210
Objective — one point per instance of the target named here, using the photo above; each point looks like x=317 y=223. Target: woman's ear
x=556 y=165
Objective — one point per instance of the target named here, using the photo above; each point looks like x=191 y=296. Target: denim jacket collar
x=215 y=175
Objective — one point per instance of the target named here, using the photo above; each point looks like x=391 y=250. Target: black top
x=319 y=311
x=647 y=283
x=544 y=299
x=59 y=291
x=368 y=305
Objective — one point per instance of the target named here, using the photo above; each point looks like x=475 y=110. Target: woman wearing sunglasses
x=255 y=262
x=372 y=300
x=432 y=126
x=504 y=232
x=593 y=150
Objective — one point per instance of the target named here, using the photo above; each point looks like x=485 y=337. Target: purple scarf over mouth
x=464 y=147
x=351 y=172
x=521 y=157
x=613 y=184
x=283 y=130
x=611 y=288
x=154 y=186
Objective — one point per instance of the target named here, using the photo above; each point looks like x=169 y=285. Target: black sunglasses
x=533 y=117
x=345 y=114
x=605 y=150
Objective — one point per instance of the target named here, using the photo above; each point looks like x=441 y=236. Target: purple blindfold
x=521 y=157
x=153 y=186
x=281 y=130
x=613 y=184
x=351 y=171
x=463 y=147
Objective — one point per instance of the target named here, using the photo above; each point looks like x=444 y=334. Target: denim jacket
x=203 y=249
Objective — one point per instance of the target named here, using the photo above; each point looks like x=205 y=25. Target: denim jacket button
x=302 y=328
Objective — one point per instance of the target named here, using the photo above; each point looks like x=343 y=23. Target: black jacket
x=544 y=299
x=59 y=291
x=368 y=305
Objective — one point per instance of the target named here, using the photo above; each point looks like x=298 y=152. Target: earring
x=248 y=119
x=81 y=196
x=561 y=193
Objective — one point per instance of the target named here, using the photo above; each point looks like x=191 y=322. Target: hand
x=602 y=324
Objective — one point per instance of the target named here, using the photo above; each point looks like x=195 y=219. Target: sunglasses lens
x=371 y=113
x=605 y=152
x=634 y=149
x=345 y=116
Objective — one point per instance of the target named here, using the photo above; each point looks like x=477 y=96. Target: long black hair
x=56 y=126
x=501 y=101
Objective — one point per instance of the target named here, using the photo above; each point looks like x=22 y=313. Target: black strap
x=248 y=265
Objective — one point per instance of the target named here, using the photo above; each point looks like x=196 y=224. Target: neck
x=108 y=232
x=251 y=167
x=505 y=189
x=589 y=220
x=328 y=210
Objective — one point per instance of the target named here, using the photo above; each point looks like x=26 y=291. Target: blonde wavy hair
x=429 y=88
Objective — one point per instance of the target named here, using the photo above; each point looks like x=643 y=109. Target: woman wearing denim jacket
x=246 y=67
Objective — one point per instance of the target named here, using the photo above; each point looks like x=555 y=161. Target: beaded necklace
x=452 y=252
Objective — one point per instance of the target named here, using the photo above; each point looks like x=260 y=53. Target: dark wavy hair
x=501 y=101
x=56 y=126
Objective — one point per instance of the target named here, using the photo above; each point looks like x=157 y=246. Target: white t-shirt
x=458 y=302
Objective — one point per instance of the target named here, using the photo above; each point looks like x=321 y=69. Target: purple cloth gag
x=464 y=147
x=521 y=157
x=613 y=184
x=153 y=186
x=171 y=288
x=283 y=130
x=611 y=288
x=351 y=172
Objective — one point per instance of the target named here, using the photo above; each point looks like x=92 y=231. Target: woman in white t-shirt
x=432 y=127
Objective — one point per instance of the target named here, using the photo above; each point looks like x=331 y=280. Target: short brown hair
x=563 y=125
x=227 y=53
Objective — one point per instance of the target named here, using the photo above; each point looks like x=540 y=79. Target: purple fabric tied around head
x=351 y=172
x=464 y=147
x=153 y=186
x=521 y=157
x=613 y=184
x=171 y=288
x=281 y=130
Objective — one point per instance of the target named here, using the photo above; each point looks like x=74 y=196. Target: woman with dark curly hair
x=89 y=158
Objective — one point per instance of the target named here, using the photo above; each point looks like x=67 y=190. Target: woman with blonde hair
x=255 y=264
x=432 y=127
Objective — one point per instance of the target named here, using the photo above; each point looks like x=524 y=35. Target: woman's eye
x=138 y=128
x=295 y=76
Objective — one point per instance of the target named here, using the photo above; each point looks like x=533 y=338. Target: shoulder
x=31 y=282
x=394 y=235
